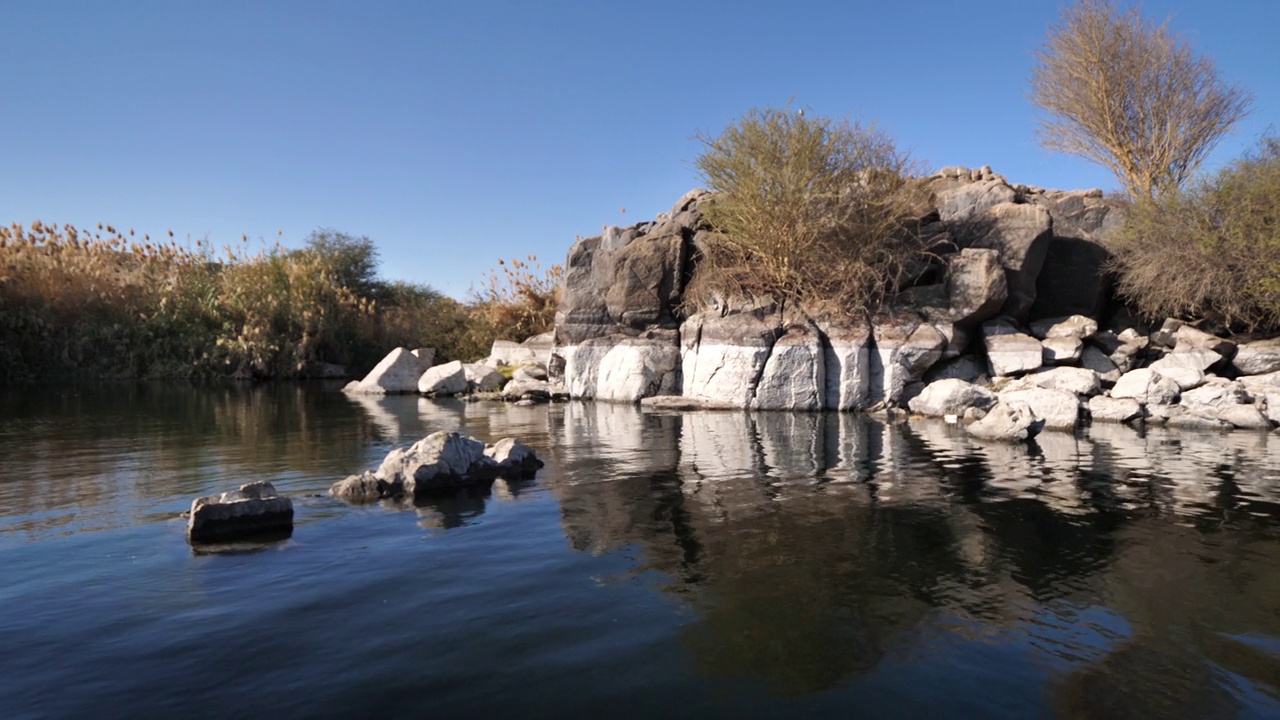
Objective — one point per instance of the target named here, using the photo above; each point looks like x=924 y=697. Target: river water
x=660 y=565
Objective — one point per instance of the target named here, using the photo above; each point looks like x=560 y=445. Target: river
x=661 y=565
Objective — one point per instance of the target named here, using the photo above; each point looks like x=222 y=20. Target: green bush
x=806 y=208
x=1211 y=251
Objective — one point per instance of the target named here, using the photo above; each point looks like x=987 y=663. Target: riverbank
x=1011 y=323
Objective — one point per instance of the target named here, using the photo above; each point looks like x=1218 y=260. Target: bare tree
x=1132 y=96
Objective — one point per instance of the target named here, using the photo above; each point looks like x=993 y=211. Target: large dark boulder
x=626 y=281
x=1020 y=233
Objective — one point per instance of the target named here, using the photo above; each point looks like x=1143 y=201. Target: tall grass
x=105 y=304
x=519 y=298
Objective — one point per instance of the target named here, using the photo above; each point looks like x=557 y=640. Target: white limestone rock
x=950 y=397
x=1195 y=358
x=531 y=371
x=1007 y=421
x=1075 y=380
x=1116 y=410
x=440 y=460
x=527 y=389
x=1079 y=327
x=633 y=370
x=793 y=377
x=1258 y=357
x=905 y=348
x=447 y=379
x=1147 y=387
x=1010 y=352
x=1190 y=338
x=255 y=509
x=1061 y=350
x=723 y=357
x=1057 y=409
x=398 y=372
x=483 y=378
x=513 y=458
x=847 y=364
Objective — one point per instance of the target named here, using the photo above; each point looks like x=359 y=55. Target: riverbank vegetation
x=105 y=304
x=806 y=208
x=1210 y=251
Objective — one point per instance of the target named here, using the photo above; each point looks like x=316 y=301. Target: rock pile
x=624 y=333
x=1177 y=376
x=1012 y=329
x=405 y=371
x=440 y=461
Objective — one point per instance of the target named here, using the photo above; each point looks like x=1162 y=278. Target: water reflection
x=817 y=548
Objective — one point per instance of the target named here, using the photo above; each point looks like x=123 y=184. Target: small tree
x=1131 y=96
x=806 y=207
x=352 y=260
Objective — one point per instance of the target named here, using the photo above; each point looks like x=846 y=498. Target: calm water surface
x=661 y=565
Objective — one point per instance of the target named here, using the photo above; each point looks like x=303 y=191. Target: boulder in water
x=255 y=509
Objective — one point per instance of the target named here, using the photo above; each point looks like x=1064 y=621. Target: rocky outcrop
x=482 y=378
x=723 y=357
x=904 y=348
x=623 y=369
x=440 y=461
x=1010 y=351
x=1014 y=299
x=256 y=509
x=1258 y=357
x=628 y=280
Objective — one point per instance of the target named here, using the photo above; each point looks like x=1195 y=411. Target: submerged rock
x=1007 y=421
x=1054 y=409
x=254 y=509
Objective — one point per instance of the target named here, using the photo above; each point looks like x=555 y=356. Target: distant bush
x=806 y=208
x=103 y=304
x=519 y=298
x=1211 y=251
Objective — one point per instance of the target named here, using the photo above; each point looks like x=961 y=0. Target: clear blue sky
x=457 y=133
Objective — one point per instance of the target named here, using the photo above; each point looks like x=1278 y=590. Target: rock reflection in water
x=819 y=549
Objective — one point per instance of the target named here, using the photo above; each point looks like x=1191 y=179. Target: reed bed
x=107 y=304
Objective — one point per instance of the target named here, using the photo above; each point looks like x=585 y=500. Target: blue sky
x=454 y=134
